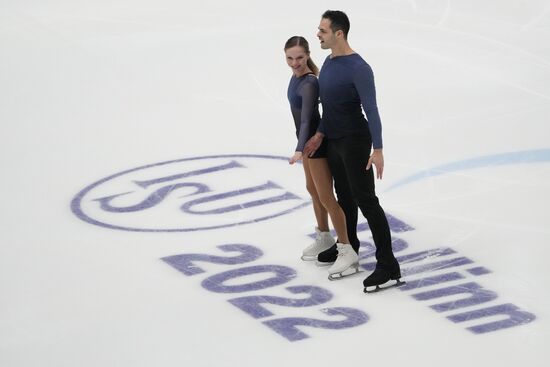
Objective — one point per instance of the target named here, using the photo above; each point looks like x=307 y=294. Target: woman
x=303 y=95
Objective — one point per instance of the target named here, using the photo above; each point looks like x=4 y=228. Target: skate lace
x=342 y=253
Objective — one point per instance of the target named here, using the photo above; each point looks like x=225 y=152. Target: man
x=346 y=85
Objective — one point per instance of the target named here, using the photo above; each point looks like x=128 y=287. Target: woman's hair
x=302 y=42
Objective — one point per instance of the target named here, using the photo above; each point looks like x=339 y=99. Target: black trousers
x=354 y=186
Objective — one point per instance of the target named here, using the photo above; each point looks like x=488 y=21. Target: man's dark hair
x=338 y=21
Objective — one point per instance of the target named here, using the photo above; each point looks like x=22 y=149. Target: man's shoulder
x=359 y=62
x=355 y=62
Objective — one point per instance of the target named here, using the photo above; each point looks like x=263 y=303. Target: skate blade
x=383 y=287
x=308 y=258
x=322 y=264
x=342 y=275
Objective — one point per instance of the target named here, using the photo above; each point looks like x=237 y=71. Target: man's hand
x=377 y=159
x=295 y=158
x=313 y=144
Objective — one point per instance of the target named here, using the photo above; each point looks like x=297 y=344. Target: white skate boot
x=323 y=241
x=347 y=260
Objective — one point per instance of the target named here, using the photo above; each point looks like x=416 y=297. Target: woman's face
x=296 y=58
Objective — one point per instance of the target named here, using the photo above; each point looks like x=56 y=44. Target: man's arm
x=364 y=83
x=363 y=79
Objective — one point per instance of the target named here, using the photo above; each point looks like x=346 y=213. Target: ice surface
x=96 y=98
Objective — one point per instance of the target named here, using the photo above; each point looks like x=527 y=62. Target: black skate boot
x=328 y=257
x=381 y=276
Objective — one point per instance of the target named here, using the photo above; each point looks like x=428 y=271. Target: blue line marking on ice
x=528 y=156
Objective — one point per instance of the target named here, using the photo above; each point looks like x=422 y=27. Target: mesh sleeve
x=310 y=96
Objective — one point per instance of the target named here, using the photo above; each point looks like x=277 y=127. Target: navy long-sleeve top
x=303 y=96
x=347 y=84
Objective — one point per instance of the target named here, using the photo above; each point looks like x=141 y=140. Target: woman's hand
x=295 y=158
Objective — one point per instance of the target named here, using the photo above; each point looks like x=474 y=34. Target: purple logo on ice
x=192 y=194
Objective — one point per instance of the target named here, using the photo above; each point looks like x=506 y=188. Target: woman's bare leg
x=322 y=179
x=321 y=214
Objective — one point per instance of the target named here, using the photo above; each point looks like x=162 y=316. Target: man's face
x=325 y=34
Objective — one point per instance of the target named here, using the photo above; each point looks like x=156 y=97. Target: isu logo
x=192 y=194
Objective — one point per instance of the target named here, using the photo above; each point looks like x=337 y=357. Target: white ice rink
x=136 y=132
